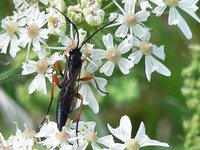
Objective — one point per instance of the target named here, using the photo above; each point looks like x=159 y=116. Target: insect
x=68 y=94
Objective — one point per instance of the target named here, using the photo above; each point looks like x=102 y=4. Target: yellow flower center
x=172 y=3
x=42 y=66
x=62 y=136
x=113 y=55
x=91 y=137
x=28 y=133
x=132 y=144
x=146 y=48
x=130 y=20
x=84 y=74
x=33 y=30
x=12 y=28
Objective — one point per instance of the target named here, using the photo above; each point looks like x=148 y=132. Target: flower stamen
x=42 y=66
x=33 y=30
x=113 y=55
x=130 y=19
x=12 y=28
x=132 y=144
x=172 y=3
x=146 y=48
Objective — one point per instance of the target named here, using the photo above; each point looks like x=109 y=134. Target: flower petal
x=123 y=131
x=106 y=140
x=108 y=41
x=144 y=140
x=190 y=7
x=125 y=65
x=173 y=18
x=107 y=68
x=98 y=54
x=38 y=84
x=29 y=68
x=184 y=28
x=89 y=98
x=125 y=45
x=121 y=31
x=117 y=146
x=135 y=56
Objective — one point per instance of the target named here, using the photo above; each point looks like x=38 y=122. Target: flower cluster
x=35 y=23
x=50 y=137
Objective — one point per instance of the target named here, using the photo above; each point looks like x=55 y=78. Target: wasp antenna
x=72 y=25
x=98 y=31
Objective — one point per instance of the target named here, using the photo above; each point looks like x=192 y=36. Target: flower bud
x=76 y=13
x=94 y=17
x=92 y=4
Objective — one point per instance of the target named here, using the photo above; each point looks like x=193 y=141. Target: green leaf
x=10 y=73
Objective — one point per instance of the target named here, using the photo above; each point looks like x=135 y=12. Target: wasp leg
x=56 y=81
x=78 y=96
x=95 y=81
x=58 y=65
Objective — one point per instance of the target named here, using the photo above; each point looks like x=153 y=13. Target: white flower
x=189 y=6
x=92 y=4
x=94 y=17
x=76 y=13
x=123 y=132
x=13 y=28
x=25 y=3
x=34 y=33
x=114 y=55
x=87 y=130
x=54 y=138
x=56 y=23
x=144 y=4
x=130 y=21
x=149 y=50
x=47 y=130
x=22 y=140
x=70 y=42
x=59 y=4
x=43 y=70
x=85 y=89
x=3 y=143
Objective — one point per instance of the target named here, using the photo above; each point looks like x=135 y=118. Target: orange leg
x=58 y=65
x=79 y=111
x=56 y=81
x=95 y=81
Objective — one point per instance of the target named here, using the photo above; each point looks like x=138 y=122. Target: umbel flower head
x=113 y=55
x=123 y=133
x=189 y=6
x=43 y=67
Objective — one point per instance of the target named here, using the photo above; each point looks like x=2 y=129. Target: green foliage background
x=159 y=103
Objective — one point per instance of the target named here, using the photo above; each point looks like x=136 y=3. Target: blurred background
x=166 y=106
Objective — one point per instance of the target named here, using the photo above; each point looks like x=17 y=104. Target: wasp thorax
x=113 y=55
x=62 y=136
x=42 y=66
x=146 y=48
x=28 y=133
x=130 y=19
x=12 y=28
x=91 y=136
x=33 y=30
x=172 y=3
x=85 y=75
x=132 y=144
